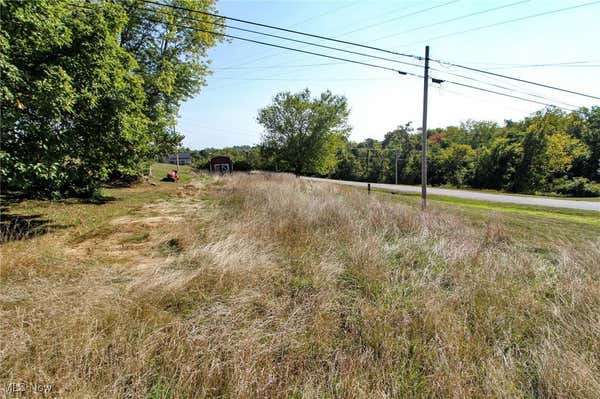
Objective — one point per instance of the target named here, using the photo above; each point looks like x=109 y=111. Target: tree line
x=90 y=93
x=90 y=90
x=548 y=151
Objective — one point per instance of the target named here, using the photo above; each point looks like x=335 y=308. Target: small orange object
x=173 y=175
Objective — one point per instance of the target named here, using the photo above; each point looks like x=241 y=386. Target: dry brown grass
x=276 y=287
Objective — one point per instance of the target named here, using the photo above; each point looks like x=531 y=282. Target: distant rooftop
x=182 y=155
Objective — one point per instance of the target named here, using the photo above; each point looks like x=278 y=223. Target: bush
x=55 y=180
x=242 y=166
x=125 y=176
x=577 y=187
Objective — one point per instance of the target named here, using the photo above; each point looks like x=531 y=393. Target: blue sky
x=246 y=76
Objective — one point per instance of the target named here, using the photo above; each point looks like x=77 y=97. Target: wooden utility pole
x=424 y=132
x=176 y=151
x=367 y=164
x=396 y=164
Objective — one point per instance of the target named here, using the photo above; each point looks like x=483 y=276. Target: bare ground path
x=70 y=292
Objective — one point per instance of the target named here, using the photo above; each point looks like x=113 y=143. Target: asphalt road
x=474 y=195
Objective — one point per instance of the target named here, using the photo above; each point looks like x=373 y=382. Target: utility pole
x=396 y=164
x=367 y=164
x=424 y=133
x=176 y=151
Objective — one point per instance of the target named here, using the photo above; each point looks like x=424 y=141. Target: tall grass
x=286 y=288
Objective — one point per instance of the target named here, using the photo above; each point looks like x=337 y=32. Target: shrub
x=577 y=187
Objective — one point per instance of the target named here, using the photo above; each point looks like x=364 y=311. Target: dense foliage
x=90 y=90
x=244 y=157
x=549 y=151
x=302 y=133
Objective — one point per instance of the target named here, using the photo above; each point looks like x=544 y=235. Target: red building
x=221 y=164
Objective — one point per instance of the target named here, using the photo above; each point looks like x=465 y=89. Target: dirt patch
x=136 y=241
x=147 y=221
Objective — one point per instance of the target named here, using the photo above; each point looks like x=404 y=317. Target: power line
x=386 y=13
x=327 y=13
x=238 y=84
x=283 y=29
x=290 y=73
x=472 y=98
x=400 y=17
x=504 y=87
x=300 y=22
x=279 y=66
x=555 y=63
x=565 y=64
x=518 y=79
x=375 y=48
x=501 y=94
x=548 y=65
x=357 y=62
x=305 y=42
x=303 y=80
x=372 y=65
x=342 y=34
x=454 y=19
x=505 y=22
x=285 y=47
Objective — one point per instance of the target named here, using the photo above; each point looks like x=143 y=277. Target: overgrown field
x=271 y=286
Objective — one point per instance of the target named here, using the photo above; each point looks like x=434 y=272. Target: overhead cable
x=517 y=79
x=503 y=94
x=454 y=19
x=308 y=43
x=505 y=22
x=282 y=29
x=285 y=47
x=400 y=17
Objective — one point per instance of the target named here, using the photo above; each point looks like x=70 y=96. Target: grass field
x=539 y=194
x=271 y=286
x=559 y=214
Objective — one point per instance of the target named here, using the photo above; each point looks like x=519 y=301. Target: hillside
x=272 y=286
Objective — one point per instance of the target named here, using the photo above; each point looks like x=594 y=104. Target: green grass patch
x=160 y=170
x=83 y=219
x=565 y=214
x=531 y=226
x=136 y=237
x=533 y=195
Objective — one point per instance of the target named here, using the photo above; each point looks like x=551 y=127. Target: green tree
x=562 y=151
x=90 y=90
x=550 y=149
x=400 y=142
x=302 y=134
x=71 y=105
x=456 y=164
x=478 y=133
x=496 y=165
x=372 y=160
x=349 y=166
x=171 y=58
x=591 y=137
